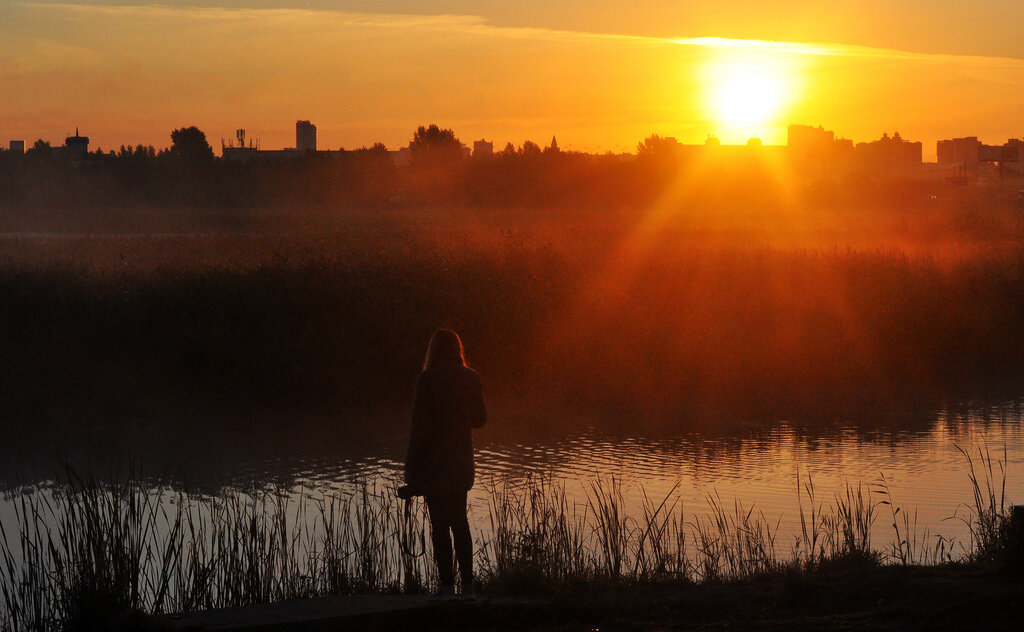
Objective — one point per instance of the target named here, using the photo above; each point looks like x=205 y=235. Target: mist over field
x=601 y=313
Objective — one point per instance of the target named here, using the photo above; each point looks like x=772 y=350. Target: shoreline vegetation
x=91 y=551
x=99 y=329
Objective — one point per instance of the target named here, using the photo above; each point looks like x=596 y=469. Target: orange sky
x=600 y=78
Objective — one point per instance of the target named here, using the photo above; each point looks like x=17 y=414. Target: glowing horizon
x=130 y=74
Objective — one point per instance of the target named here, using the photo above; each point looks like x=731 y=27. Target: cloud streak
x=479 y=25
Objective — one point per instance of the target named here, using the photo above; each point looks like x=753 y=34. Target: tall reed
x=88 y=547
x=91 y=546
x=986 y=518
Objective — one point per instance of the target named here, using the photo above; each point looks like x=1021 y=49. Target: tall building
x=968 y=157
x=305 y=136
x=18 y=146
x=890 y=155
x=1007 y=153
x=482 y=148
x=815 y=152
x=958 y=152
x=810 y=141
x=1013 y=150
x=76 y=147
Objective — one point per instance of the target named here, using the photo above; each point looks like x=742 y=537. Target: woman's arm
x=478 y=413
x=415 y=457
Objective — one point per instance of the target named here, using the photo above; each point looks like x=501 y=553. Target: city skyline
x=129 y=73
x=308 y=142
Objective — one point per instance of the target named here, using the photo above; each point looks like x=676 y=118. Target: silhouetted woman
x=448 y=404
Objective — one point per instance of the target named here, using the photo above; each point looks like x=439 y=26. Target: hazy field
x=664 y=316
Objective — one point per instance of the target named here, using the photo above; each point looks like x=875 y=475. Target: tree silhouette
x=530 y=148
x=40 y=148
x=190 y=168
x=189 y=145
x=433 y=145
x=657 y=147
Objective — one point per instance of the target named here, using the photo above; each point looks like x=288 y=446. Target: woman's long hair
x=445 y=350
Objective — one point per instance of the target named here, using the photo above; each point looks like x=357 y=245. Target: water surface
x=921 y=463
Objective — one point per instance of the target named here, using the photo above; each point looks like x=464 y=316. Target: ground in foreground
x=888 y=598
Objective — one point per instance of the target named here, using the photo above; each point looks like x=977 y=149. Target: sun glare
x=744 y=95
x=747 y=93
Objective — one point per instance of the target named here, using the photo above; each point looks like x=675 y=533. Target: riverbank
x=124 y=547
x=870 y=598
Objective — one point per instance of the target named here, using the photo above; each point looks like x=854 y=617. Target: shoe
x=444 y=593
x=468 y=594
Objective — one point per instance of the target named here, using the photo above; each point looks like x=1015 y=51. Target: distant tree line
x=187 y=173
x=438 y=172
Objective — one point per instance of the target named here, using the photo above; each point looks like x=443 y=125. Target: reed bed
x=102 y=329
x=87 y=547
x=986 y=516
x=90 y=545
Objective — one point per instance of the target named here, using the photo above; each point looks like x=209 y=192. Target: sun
x=746 y=93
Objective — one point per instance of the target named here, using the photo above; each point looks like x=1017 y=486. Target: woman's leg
x=439 y=507
x=463 y=541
